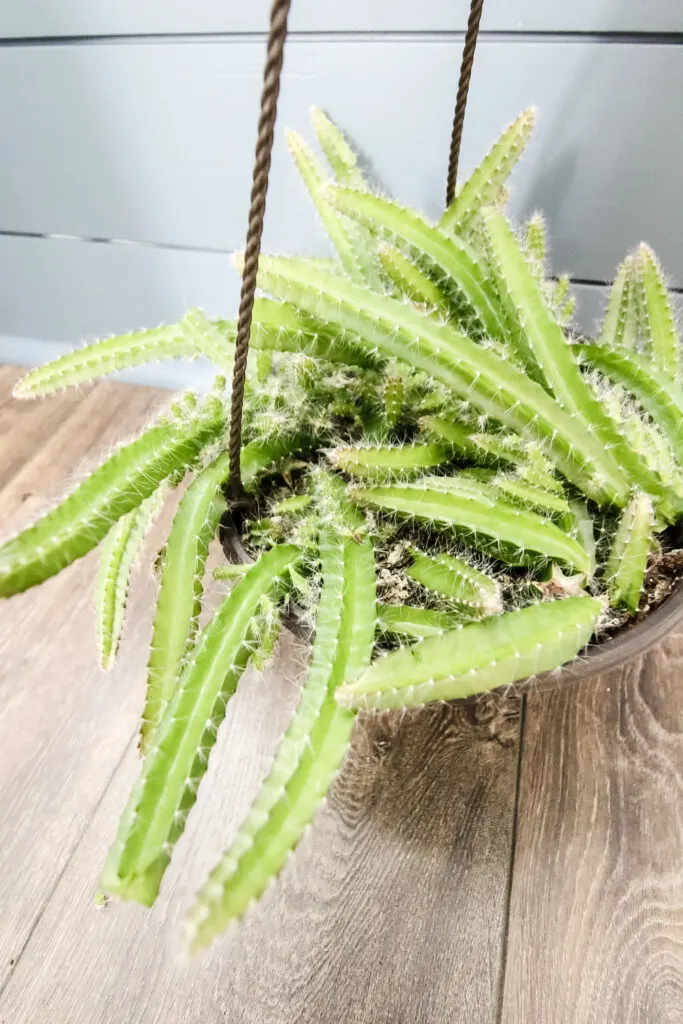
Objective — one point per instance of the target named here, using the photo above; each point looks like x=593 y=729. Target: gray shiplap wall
x=134 y=121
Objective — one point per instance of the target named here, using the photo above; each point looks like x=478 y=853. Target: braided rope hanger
x=264 y=145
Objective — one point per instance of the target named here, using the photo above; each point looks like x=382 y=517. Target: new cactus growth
x=420 y=422
x=415 y=622
x=454 y=579
x=487 y=180
x=625 y=569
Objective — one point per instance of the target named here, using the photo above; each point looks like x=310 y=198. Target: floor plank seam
x=16 y=959
x=511 y=868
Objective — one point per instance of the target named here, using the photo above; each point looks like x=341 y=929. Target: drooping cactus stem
x=171 y=773
x=477 y=657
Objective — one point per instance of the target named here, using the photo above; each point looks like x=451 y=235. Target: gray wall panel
x=153 y=141
x=33 y=18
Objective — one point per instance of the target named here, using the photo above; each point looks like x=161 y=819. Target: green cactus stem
x=582 y=526
x=171 y=773
x=472 y=506
x=105 y=357
x=620 y=322
x=281 y=327
x=536 y=246
x=231 y=571
x=266 y=633
x=414 y=622
x=314 y=178
x=456 y=261
x=120 y=552
x=394 y=397
x=520 y=492
x=117 y=487
x=656 y=391
x=627 y=562
x=340 y=156
x=454 y=579
x=292 y=506
x=381 y=462
x=477 y=657
x=555 y=358
x=658 y=324
x=489 y=382
x=313 y=748
x=409 y=280
x=180 y=591
x=484 y=184
x=351 y=243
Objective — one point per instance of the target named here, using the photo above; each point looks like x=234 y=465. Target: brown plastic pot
x=630 y=643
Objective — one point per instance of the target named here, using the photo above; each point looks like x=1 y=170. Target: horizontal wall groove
x=173 y=247
x=131 y=243
x=428 y=36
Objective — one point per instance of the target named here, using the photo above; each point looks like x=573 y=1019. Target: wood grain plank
x=391 y=912
x=27 y=425
x=596 y=916
x=165 y=133
x=33 y=18
x=63 y=724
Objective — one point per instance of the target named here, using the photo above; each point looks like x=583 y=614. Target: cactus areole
x=452 y=493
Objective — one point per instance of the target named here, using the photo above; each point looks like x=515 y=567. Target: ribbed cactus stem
x=659 y=325
x=474 y=508
x=620 y=322
x=107 y=356
x=415 y=622
x=627 y=562
x=556 y=360
x=456 y=261
x=528 y=495
x=659 y=394
x=352 y=244
x=382 y=462
x=535 y=243
x=314 y=178
x=181 y=588
x=340 y=155
x=456 y=580
x=282 y=327
x=120 y=552
x=410 y=281
x=312 y=749
x=118 y=486
x=394 y=398
x=490 y=382
x=171 y=773
x=477 y=657
x=266 y=633
x=483 y=185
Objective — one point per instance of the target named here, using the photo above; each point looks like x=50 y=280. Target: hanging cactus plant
x=455 y=493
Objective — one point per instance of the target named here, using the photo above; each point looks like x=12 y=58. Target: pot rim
x=596 y=659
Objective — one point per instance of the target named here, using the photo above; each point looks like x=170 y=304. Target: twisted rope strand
x=264 y=145
x=476 y=8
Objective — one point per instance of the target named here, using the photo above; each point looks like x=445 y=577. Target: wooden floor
x=516 y=863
